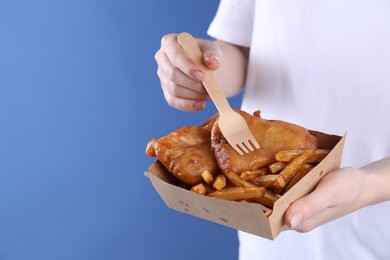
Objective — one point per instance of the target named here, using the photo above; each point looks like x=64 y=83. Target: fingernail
x=199 y=75
x=215 y=58
x=295 y=219
x=212 y=62
x=198 y=105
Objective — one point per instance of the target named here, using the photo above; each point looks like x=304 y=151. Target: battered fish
x=273 y=136
x=186 y=153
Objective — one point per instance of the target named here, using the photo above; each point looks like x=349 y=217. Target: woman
x=324 y=65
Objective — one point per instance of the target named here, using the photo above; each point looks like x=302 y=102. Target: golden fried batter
x=273 y=136
x=186 y=153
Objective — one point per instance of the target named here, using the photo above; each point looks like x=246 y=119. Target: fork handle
x=191 y=48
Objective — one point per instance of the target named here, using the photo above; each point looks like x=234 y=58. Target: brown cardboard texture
x=248 y=217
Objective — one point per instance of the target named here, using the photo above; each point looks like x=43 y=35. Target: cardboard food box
x=248 y=217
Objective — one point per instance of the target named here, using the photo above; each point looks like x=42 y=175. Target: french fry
x=291 y=169
x=247 y=175
x=299 y=175
x=276 y=167
x=236 y=180
x=289 y=155
x=269 y=181
x=268 y=213
x=269 y=198
x=199 y=188
x=207 y=177
x=318 y=156
x=239 y=193
x=220 y=182
x=202 y=188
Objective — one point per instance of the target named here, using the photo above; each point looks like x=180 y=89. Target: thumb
x=212 y=54
x=309 y=212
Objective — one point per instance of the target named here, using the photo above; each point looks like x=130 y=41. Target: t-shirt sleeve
x=233 y=22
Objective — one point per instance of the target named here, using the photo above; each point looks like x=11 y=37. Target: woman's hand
x=180 y=77
x=339 y=193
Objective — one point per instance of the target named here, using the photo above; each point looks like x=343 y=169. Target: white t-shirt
x=324 y=65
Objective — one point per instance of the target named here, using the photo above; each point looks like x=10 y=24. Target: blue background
x=79 y=100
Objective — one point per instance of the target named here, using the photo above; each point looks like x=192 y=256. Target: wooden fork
x=232 y=125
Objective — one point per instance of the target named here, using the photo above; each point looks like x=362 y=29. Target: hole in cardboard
x=321 y=172
x=186 y=205
x=186 y=210
x=206 y=210
x=224 y=220
x=181 y=202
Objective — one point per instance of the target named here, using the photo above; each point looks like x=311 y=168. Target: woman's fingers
x=180 y=59
x=171 y=75
x=212 y=54
x=180 y=77
x=184 y=104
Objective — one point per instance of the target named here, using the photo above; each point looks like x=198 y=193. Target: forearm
x=232 y=71
x=377 y=182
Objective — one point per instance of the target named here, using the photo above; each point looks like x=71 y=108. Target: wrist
x=376 y=182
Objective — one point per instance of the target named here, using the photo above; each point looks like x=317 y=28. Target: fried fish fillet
x=186 y=153
x=273 y=136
